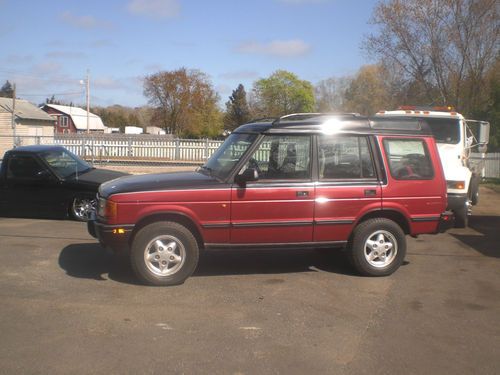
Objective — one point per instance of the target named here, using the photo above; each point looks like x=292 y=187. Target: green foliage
x=185 y=102
x=282 y=93
x=117 y=116
x=237 y=109
x=6 y=91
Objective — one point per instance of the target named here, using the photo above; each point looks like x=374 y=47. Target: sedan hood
x=153 y=182
x=98 y=176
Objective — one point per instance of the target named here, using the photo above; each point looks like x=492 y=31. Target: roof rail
x=307 y=115
x=262 y=119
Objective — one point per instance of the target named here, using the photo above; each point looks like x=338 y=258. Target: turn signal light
x=460 y=185
x=118 y=231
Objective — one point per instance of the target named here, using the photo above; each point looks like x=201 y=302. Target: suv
x=304 y=180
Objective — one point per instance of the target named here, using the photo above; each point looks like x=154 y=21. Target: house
x=155 y=130
x=32 y=125
x=73 y=119
x=133 y=130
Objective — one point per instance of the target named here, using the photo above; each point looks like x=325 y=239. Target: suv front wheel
x=378 y=247
x=164 y=253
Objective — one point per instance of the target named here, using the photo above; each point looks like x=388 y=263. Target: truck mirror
x=484 y=133
x=248 y=175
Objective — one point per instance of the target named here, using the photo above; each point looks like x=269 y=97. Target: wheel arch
x=170 y=216
x=393 y=215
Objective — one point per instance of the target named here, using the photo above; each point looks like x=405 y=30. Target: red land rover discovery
x=304 y=180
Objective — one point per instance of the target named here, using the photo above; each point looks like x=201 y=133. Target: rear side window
x=344 y=157
x=408 y=159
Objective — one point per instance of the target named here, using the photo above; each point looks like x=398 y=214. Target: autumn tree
x=237 y=109
x=185 y=102
x=6 y=91
x=282 y=93
x=444 y=48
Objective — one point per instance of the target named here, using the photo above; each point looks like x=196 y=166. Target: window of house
x=408 y=159
x=64 y=121
x=344 y=157
x=282 y=157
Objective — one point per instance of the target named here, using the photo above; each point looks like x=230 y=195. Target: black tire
x=461 y=216
x=81 y=207
x=393 y=247
x=173 y=253
x=474 y=191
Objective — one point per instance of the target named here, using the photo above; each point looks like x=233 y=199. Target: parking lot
x=69 y=307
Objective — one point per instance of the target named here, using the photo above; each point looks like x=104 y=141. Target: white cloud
x=155 y=8
x=83 y=22
x=279 y=48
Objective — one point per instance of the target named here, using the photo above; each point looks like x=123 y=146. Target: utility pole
x=14 y=116
x=88 y=101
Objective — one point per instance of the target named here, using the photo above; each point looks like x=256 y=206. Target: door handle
x=302 y=193
x=370 y=192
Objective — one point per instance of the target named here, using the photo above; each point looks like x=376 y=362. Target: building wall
x=28 y=132
x=60 y=122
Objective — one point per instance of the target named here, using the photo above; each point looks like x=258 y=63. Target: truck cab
x=455 y=137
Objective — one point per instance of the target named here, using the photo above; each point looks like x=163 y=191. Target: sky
x=47 y=46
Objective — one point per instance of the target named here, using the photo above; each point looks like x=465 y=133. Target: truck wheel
x=164 y=253
x=378 y=247
x=82 y=207
x=462 y=215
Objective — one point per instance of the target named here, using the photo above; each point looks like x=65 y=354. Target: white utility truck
x=455 y=137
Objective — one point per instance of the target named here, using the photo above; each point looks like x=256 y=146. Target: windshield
x=445 y=130
x=64 y=163
x=229 y=153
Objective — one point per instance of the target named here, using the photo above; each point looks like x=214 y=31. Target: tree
x=443 y=47
x=237 y=109
x=330 y=94
x=282 y=93
x=369 y=91
x=185 y=102
x=7 y=91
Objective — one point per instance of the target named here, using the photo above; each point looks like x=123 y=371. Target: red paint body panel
x=258 y=212
x=342 y=203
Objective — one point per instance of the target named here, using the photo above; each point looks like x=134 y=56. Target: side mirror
x=248 y=175
x=484 y=133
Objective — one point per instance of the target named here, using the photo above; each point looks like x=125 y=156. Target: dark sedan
x=49 y=182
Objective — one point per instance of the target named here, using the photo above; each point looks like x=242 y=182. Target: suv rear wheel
x=164 y=253
x=378 y=247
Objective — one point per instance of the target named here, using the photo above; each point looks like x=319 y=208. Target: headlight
x=106 y=209
x=460 y=185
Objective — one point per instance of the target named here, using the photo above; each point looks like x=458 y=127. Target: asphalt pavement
x=69 y=307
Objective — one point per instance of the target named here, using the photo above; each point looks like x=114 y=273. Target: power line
x=55 y=94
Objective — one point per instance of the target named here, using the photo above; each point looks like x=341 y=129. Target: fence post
x=129 y=147
x=206 y=149
x=84 y=150
x=177 y=149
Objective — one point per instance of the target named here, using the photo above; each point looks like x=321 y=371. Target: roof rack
x=307 y=115
x=262 y=119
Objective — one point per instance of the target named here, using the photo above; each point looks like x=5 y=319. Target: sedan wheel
x=82 y=208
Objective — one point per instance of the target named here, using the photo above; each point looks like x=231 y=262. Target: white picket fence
x=491 y=164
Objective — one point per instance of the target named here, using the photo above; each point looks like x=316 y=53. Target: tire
x=368 y=238
x=474 y=194
x=82 y=207
x=462 y=215
x=164 y=253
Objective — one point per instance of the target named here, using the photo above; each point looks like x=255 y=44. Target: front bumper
x=446 y=221
x=115 y=237
x=456 y=201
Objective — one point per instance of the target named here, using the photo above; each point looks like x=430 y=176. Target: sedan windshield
x=64 y=163
x=445 y=130
x=229 y=153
